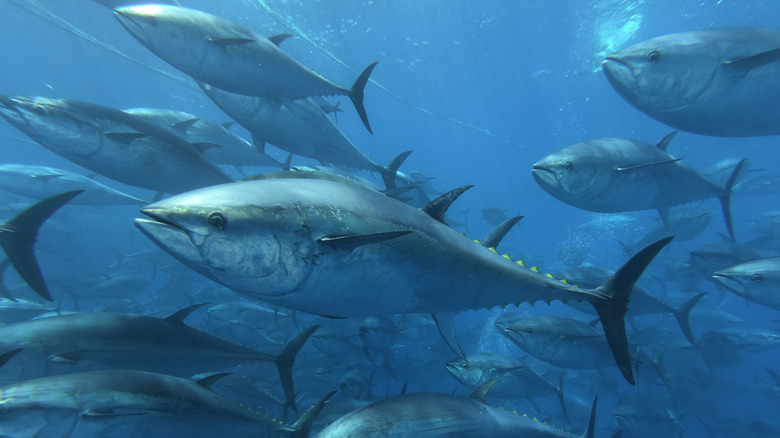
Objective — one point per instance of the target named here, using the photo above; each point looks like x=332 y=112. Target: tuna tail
x=4 y=292
x=592 y=421
x=18 y=236
x=725 y=198
x=302 y=427
x=682 y=315
x=390 y=171
x=286 y=360
x=560 y=397
x=356 y=94
x=613 y=306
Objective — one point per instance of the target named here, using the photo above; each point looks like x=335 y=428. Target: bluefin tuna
x=40 y=182
x=129 y=341
x=229 y=56
x=299 y=127
x=611 y=175
x=756 y=280
x=515 y=379
x=213 y=140
x=57 y=404
x=432 y=415
x=331 y=247
x=112 y=143
x=719 y=82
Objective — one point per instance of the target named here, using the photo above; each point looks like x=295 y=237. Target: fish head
x=751 y=278
x=52 y=123
x=248 y=239
x=465 y=372
x=377 y=333
x=663 y=74
x=574 y=176
x=170 y=32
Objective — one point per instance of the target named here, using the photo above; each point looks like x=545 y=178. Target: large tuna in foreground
x=331 y=247
x=721 y=82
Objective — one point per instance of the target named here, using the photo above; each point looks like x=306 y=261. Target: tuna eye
x=757 y=277
x=218 y=220
x=568 y=165
x=464 y=365
x=653 y=56
x=529 y=330
x=40 y=110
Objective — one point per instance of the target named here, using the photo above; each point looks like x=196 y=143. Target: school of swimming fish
x=357 y=276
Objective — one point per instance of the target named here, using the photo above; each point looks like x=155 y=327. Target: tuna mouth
x=729 y=282
x=544 y=174
x=10 y=110
x=157 y=216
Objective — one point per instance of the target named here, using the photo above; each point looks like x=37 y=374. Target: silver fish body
x=719 y=82
x=331 y=247
x=112 y=143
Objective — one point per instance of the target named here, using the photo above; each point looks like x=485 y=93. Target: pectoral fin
x=231 y=41
x=747 y=64
x=124 y=137
x=356 y=240
x=648 y=165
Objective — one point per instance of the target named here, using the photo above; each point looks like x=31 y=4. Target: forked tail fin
x=356 y=94
x=725 y=198
x=612 y=309
x=18 y=236
x=286 y=360
x=302 y=427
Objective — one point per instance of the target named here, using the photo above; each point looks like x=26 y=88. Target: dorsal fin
x=664 y=143
x=185 y=125
x=18 y=236
x=494 y=238
x=483 y=389
x=207 y=381
x=182 y=314
x=438 y=207
x=279 y=38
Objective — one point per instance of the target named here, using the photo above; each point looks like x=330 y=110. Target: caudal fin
x=18 y=236
x=286 y=360
x=725 y=198
x=682 y=314
x=302 y=427
x=589 y=432
x=356 y=94
x=390 y=171
x=612 y=309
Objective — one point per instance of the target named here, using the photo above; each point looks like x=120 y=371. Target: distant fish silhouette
x=18 y=236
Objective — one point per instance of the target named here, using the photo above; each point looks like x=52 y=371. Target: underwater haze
x=479 y=92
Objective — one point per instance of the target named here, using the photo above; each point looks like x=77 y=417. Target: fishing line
x=299 y=32
x=41 y=11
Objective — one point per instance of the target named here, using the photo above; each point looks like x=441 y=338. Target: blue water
x=479 y=91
